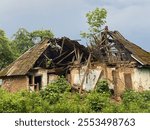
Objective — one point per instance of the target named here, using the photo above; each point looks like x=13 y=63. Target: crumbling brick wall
x=15 y=83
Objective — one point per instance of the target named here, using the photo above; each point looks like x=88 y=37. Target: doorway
x=128 y=80
x=38 y=83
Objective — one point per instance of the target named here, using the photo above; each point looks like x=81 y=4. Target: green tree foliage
x=23 y=40
x=39 y=35
x=95 y=19
x=6 y=54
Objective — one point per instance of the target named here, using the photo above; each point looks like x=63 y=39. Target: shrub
x=131 y=96
x=102 y=86
x=22 y=102
x=6 y=101
x=112 y=108
x=59 y=86
x=136 y=101
x=53 y=91
x=70 y=103
x=146 y=96
x=64 y=101
x=97 y=101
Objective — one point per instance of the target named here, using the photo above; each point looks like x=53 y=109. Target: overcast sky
x=67 y=17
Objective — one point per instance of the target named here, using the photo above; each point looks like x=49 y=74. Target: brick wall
x=14 y=84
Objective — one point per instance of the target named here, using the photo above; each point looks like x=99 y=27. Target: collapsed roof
x=48 y=54
x=137 y=52
x=113 y=48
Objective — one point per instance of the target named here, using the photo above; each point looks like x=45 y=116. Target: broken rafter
x=65 y=57
x=47 y=57
x=80 y=58
x=108 y=45
x=73 y=59
x=75 y=52
x=85 y=73
x=60 y=56
x=62 y=46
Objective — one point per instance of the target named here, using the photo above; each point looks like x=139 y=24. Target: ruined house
x=125 y=65
x=42 y=64
x=122 y=63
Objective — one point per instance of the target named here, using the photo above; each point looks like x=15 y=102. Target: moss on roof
x=140 y=54
x=23 y=64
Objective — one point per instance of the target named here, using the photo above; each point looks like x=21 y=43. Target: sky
x=67 y=17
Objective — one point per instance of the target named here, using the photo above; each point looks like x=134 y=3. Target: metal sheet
x=90 y=79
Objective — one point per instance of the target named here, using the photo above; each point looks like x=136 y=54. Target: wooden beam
x=75 y=53
x=47 y=57
x=85 y=74
x=73 y=59
x=66 y=56
x=80 y=58
x=62 y=46
x=60 y=55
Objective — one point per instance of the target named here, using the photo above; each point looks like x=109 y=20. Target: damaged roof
x=137 y=52
x=25 y=62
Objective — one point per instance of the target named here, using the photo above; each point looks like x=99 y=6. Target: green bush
x=146 y=96
x=71 y=103
x=22 y=102
x=59 y=86
x=102 y=86
x=131 y=96
x=97 y=101
x=51 y=97
x=50 y=100
x=53 y=91
x=136 y=101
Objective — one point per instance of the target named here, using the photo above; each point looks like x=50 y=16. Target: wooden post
x=85 y=73
x=32 y=81
x=115 y=74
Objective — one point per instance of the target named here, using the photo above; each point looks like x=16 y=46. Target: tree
x=95 y=19
x=6 y=54
x=39 y=35
x=23 y=40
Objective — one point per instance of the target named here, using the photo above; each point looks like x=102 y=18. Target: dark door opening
x=38 y=83
x=128 y=81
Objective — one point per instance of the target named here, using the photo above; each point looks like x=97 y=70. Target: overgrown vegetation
x=102 y=87
x=96 y=19
x=58 y=98
x=22 y=40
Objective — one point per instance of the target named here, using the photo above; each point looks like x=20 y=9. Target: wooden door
x=128 y=80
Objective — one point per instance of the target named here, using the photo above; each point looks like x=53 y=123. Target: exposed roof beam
x=136 y=59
